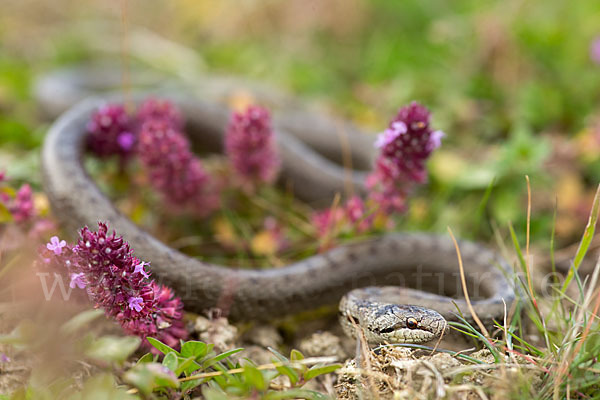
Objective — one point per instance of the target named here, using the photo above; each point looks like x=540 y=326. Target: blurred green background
x=512 y=83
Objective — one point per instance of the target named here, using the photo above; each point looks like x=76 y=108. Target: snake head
x=394 y=323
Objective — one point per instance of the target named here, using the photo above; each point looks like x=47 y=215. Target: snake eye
x=412 y=323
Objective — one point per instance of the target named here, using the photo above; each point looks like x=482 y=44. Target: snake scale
x=423 y=268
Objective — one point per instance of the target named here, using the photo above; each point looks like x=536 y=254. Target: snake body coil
x=426 y=263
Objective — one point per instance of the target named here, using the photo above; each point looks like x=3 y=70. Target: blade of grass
x=588 y=235
x=346 y=151
x=552 y=237
x=526 y=346
x=484 y=201
x=516 y=245
x=484 y=339
x=464 y=286
x=527 y=257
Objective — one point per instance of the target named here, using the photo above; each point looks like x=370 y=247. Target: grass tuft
x=557 y=338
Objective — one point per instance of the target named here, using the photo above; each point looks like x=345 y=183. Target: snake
x=419 y=271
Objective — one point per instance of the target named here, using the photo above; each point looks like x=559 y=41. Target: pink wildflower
x=104 y=265
x=405 y=147
x=160 y=109
x=326 y=220
x=56 y=245
x=136 y=303
x=250 y=146
x=110 y=132
x=22 y=208
x=388 y=136
x=411 y=141
x=77 y=280
x=356 y=214
x=126 y=140
x=173 y=169
x=140 y=269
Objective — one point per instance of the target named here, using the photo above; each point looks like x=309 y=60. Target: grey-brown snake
x=426 y=263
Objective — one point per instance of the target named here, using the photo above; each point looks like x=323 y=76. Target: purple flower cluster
x=173 y=169
x=160 y=109
x=26 y=216
x=21 y=206
x=250 y=146
x=356 y=212
x=353 y=215
x=409 y=141
x=405 y=147
x=326 y=221
x=155 y=135
x=115 y=280
x=111 y=131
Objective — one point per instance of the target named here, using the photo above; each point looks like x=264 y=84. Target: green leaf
x=194 y=349
x=80 y=321
x=254 y=377
x=279 y=356
x=187 y=365
x=269 y=375
x=216 y=359
x=191 y=368
x=189 y=385
x=295 y=355
x=222 y=380
x=170 y=361
x=289 y=372
x=212 y=393
x=160 y=346
x=148 y=377
x=113 y=348
x=146 y=358
x=297 y=394
x=317 y=370
x=285 y=369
